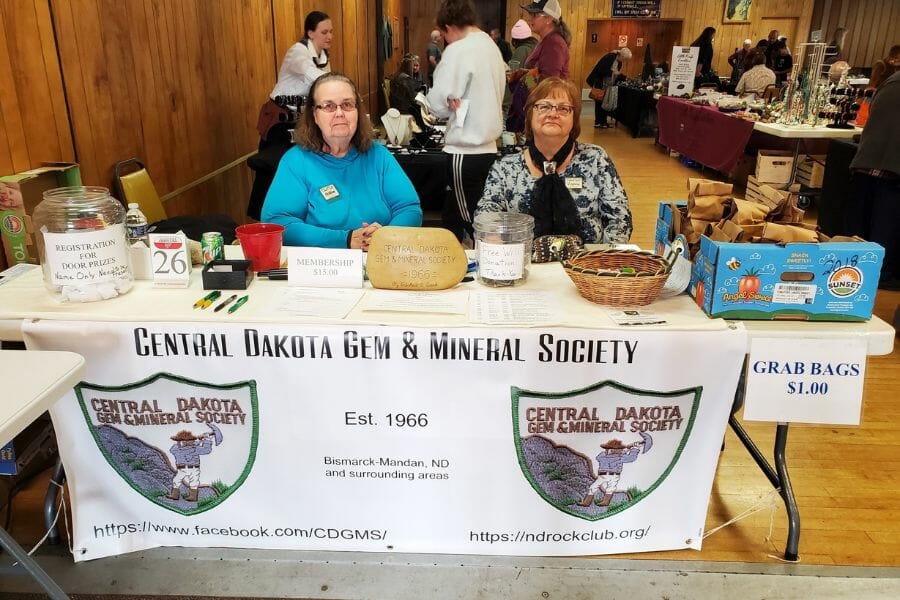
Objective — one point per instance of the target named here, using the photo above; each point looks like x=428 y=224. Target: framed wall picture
x=737 y=11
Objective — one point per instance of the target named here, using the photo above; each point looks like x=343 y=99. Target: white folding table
x=34 y=380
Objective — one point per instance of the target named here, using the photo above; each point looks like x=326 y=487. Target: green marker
x=206 y=300
x=240 y=302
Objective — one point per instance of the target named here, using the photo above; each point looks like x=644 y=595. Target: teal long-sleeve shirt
x=369 y=187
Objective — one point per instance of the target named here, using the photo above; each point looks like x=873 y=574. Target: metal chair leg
x=50 y=502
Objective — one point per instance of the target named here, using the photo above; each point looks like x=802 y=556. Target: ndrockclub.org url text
x=119 y=530
x=521 y=536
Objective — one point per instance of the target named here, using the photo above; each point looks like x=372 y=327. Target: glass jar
x=503 y=247
x=82 y=245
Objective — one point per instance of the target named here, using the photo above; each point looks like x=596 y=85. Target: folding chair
x=138 y=187
x=772 y=92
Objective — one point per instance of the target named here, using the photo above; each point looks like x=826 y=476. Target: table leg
x=30 y=565
x=778 y=477
x=50 y=502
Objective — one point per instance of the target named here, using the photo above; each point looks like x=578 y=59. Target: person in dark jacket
x=876 y=178
x=705 y=43
x=602 y=76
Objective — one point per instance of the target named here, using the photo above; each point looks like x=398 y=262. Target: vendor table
x=428 y=172
x=33 y=382
x=120 y=331
x=717 y=140
x=702 y=133
x=634 y=108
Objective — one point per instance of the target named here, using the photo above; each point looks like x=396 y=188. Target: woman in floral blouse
x=568 y=187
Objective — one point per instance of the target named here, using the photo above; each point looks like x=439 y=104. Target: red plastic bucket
x=261 y=243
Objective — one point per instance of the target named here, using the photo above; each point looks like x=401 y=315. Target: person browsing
x=757 y=79
x=335 y=188
x=468 y=89
x=551 y=56
x=306 y=60
x=567 y=186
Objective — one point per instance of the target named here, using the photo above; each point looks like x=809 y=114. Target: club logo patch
x=185 y=445
x=595 y=452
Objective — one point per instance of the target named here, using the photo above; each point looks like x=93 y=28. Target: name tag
x=325 y=267
x=329 y=192
x=573 y=183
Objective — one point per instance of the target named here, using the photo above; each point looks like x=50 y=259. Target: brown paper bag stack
x=768 y=216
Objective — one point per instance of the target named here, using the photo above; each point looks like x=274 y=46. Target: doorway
x=604 y=35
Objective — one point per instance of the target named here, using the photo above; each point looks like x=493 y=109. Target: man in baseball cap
x=548 y=7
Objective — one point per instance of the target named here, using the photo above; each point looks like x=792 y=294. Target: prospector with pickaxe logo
x=187 y=450
x=609 y=467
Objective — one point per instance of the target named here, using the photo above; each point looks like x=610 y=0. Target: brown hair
x=309 y=135
x=543 y=90
x=759 y=58
x=458 y=13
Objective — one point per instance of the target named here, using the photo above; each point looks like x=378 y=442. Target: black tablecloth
x=836 y=201
x=635 y=109
x=428 y=173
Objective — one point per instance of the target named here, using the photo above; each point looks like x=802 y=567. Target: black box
x=227 y=275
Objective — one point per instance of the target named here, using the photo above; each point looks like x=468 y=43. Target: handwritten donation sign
x=562 y=441
x=325 y=267
x=683 y=70
x=87 y=257
x=805 y=381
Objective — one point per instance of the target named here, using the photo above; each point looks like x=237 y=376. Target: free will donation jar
x=82 y=244
x=503 y=245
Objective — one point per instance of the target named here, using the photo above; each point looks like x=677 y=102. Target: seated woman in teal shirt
x=335 y=188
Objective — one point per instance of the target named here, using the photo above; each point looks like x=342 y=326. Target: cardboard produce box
x=825 y=281
x=19 y=195
x=774 y=166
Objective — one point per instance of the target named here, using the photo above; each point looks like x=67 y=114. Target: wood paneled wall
x=696 y=14
x=178 y=83
x=873 y=26
x=421 y=24
x=34 y=126
x=399 y=10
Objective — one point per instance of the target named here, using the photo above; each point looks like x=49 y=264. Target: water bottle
x=136 y=225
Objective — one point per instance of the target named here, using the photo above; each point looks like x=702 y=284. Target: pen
x=238 y=304
x=225 y=303
x=273 y=274
x=207 y=299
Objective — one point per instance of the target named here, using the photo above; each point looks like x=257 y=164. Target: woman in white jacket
x=306 y=60
x=468 y=89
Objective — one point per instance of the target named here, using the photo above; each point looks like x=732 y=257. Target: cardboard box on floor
x=19 y=195
x=826 y=281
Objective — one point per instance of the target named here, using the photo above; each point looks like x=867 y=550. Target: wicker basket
x=596 y=274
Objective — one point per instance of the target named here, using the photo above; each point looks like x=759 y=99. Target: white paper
x=683 y=70
x=520 y=307
x=678 y=279
x=324 y=303
x=446 y=302
x=14 y=271
x=462 y=111
x=500 y=262
x=325 y=267
x=805 y=380
x=170 y=260
x=83 y=258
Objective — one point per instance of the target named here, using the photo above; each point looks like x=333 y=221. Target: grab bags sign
x=367 y=438
x=805 y=381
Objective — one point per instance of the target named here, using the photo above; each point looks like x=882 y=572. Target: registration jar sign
x=806 y=381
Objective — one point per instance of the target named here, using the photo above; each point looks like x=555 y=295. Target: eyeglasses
x=564 y=110
x=330 y=107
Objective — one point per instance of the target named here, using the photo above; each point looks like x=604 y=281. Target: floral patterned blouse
x=592 y=180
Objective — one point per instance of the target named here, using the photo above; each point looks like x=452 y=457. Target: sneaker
x=598 y=125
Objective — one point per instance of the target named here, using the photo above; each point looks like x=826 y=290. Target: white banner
x=476 y=441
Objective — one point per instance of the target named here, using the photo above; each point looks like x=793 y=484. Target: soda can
x=212 y=247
